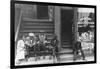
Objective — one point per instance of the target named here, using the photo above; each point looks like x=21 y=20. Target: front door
x=67 y=16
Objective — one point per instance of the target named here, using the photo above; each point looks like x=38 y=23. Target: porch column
x=75 y=22
x=57 y=24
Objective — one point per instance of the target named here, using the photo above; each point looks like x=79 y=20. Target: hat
x=27 y=38
x=79 y=38
x=31 y=34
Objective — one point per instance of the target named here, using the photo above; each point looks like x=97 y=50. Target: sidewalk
x=63 y=59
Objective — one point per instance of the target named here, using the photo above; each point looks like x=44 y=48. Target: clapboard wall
x=31 y=24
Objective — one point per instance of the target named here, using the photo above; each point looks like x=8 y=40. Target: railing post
x=18 y=27
x=57 y=25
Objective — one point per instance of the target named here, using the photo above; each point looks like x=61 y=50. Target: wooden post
x=75 y=23
x=57 y=25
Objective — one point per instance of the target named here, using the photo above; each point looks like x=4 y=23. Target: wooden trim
x=66 y=8
x=75 y=22
x=58 y=25
x=38 y=20
x=35 y=10
x=18 y=27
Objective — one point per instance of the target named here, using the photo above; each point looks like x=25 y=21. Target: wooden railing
x=18 y=27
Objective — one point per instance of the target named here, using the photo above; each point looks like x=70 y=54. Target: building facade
x=65 y=22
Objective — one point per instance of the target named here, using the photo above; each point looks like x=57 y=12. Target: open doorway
x=66 y=27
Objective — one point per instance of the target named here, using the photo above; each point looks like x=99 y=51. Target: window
x=38 y=12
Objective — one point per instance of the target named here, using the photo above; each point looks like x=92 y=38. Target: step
x=46 y=33
x=65 y=40
x=66 y=51
x=35 y=20
x=66 y=47
x=37 y=23
x=49 y=35
x=28 y=31
x=66 y=43
x=64 y=58
x=37 y=27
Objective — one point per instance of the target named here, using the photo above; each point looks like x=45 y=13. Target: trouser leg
x=75 y=54
x=82 y=54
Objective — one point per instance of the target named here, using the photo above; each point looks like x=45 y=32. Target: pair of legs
x=78 y=48
x=77 y=53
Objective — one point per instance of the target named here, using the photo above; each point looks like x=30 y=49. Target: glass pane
x=42 y=12
x=29 y=11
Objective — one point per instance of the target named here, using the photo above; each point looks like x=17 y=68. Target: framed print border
x=50 y=19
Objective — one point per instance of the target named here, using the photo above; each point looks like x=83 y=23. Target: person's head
x=23 y=37
x=42 y=34
x=27 y=39
x=31 y=34
x=55 y=36
x=37 y=37
x=79 y=39
x=86 y=24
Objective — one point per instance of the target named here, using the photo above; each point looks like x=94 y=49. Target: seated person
x=54 y=43
x=32 y=44
x=32 y=38
x=20 y=56
x=28 y=46
x=42 y=41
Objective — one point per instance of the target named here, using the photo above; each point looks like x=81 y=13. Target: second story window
x=38 y=12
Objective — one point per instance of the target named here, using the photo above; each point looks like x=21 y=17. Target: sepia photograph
x=53 y=34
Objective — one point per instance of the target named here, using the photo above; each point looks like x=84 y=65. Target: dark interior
x=42 y=12
x=66 y=24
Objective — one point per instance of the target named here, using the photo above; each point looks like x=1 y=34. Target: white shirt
x=20 y=50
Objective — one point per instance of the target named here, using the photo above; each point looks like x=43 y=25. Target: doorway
x=66 y=27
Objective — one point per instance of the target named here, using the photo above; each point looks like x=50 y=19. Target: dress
x=20 y=50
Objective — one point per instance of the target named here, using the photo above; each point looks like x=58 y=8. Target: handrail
x=18 y=27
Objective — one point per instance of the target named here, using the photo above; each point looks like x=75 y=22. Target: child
x=20 y=50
